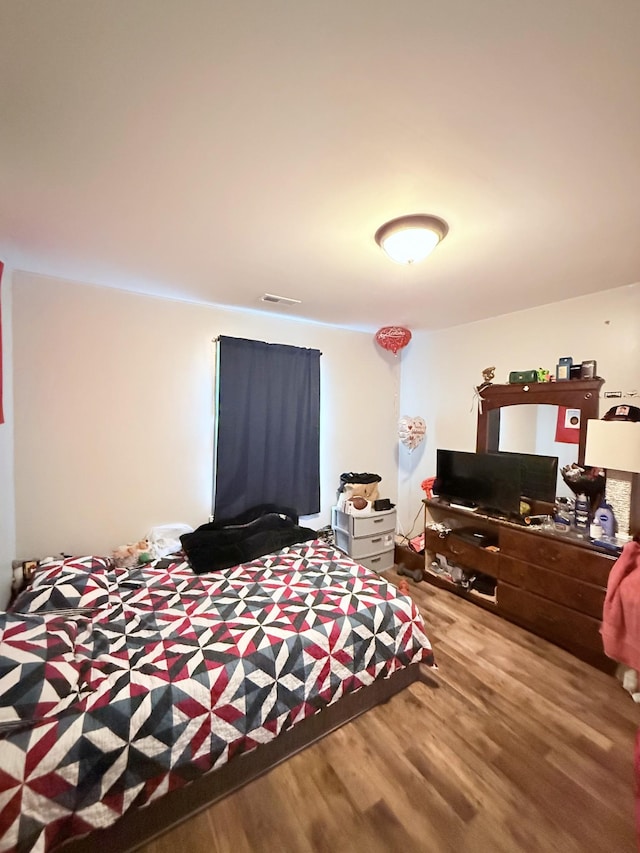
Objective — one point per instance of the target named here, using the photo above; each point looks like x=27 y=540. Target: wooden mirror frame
x=583 y=394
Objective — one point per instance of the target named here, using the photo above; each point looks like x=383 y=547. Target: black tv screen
x=538 y=475
x=488 y=481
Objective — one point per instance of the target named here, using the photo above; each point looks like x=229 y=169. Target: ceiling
x=215 y=151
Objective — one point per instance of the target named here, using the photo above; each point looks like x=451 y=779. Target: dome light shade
x=411 y=238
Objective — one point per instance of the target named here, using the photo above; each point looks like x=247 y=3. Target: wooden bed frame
x=139 y=826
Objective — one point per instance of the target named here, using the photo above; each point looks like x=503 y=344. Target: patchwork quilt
x=119 y=685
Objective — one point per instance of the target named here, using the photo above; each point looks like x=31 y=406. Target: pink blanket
x=621 y=615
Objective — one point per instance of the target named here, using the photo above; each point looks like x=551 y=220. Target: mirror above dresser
x=506 y=416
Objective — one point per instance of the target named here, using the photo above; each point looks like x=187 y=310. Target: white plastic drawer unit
x=379 y=562
x=368 y=539
x=363 y=546
x=365 y=525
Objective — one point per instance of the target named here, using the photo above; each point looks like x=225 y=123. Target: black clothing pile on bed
x=222 y=544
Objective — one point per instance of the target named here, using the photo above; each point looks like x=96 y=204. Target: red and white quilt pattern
x=177 y=673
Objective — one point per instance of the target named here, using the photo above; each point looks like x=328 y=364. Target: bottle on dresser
x=605 y=518
x=581 y=513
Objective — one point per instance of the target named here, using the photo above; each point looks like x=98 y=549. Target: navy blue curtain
x=267 y=426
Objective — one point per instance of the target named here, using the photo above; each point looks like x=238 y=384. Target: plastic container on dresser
x=368 y=539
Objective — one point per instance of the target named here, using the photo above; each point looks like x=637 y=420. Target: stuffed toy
x=128 y=556
x=403 y=587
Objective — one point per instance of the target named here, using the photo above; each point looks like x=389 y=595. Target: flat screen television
x=538 y=475
x=486 y=481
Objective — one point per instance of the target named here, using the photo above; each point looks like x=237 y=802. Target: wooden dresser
x=550 y=583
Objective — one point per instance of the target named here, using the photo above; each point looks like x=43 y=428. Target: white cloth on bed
x=165 y=539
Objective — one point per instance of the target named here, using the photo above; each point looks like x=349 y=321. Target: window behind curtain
x=267 y=447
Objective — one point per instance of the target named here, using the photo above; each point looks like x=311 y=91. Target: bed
x=132 y=697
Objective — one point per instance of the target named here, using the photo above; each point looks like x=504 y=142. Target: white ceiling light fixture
x=409 y=239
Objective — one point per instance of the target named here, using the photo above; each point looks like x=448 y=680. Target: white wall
x=113 y=410
x=7 y=501
x=113 y=405
x=441 y=370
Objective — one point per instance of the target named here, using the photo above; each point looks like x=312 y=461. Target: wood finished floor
x=519 y=747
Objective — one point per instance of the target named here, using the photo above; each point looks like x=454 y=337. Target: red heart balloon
x=393 y=338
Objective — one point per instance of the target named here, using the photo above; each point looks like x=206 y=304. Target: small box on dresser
x=368 y=539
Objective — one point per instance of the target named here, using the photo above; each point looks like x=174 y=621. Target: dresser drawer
x=363 y=546
x=549 y=620
x=434 y=542
x=571 y=592
x=466 y=554
x=563 y=557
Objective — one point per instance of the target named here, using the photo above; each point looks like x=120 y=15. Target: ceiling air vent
x=283 y=300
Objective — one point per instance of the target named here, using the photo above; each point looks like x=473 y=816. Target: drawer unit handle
x=377 y=520
x=377 y=539
x=376 y=559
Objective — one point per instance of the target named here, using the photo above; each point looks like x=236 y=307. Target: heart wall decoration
x=411 y=431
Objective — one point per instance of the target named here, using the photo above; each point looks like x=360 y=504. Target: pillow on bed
x=52 y=568
x=38 y=667
x=63 y=592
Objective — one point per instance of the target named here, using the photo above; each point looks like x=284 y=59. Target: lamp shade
x=411 y=238
x=613 y=444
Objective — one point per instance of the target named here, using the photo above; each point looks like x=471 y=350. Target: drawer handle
x=377 y=539
x=376 y=559
x=377 y=520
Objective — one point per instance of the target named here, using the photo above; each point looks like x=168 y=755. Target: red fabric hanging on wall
x=1 y=411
